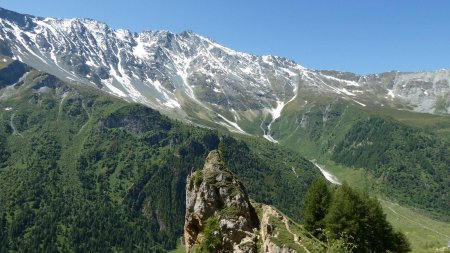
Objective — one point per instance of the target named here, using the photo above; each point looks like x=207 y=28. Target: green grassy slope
x=424 y=233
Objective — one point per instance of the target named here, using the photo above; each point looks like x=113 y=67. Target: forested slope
x=404 y=156
x=85 y=172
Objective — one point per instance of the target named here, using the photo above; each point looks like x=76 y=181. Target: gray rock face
x=215 y=193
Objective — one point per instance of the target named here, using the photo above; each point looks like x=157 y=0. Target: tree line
x=346 y=214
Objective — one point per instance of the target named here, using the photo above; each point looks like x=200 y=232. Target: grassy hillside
x=424 y=233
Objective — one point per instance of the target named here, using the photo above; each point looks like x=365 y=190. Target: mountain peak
x=22 y=20
x=195 y=78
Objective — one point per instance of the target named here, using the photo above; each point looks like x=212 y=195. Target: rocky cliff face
x=214 y=193
x=221 y=218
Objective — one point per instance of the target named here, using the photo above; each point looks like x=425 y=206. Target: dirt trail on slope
x=11 y=123
x=269 y=211
x=296 y=239
x=89 y=117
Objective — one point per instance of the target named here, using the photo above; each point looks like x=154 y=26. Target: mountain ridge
x=196 y=79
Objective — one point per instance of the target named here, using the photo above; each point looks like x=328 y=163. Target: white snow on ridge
x=122 y=34
x=337 y=90
x=225 y=49
x=18 y=33
x=266 y=59
x=348 y=82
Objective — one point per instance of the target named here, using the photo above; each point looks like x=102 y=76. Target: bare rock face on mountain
x=218 y=211
x=196 y=79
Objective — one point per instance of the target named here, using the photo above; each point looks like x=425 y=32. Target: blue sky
x=349 y=35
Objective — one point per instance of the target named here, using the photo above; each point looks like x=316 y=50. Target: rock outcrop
x=221 y=218
x=215 y=197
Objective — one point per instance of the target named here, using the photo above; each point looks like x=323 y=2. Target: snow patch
x=290 y=72
x=91 y=63
x=346 y=92
x=247 y=70
x=139 y=50
x=270 y=138
x=114 y=90
x=276 y=113
x=235 y=127
x=391 y=93
x=122 y=34
x=361 y=104
x=330 y=177
x=172 y=104
x=267 y=59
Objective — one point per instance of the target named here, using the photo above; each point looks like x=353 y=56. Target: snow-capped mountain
x=197 y=79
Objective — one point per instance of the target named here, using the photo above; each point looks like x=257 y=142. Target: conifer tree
x=346 y=216
x=380 y=234
x=3 y=234
x=361 y=220
x=315 y=207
